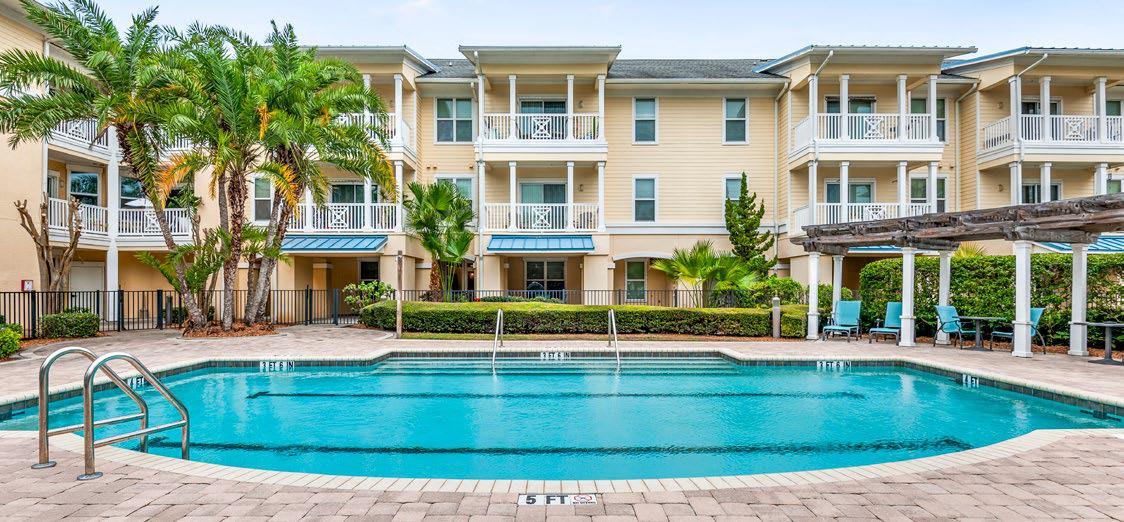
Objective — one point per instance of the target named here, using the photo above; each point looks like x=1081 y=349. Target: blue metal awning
x=332 y=243
x=540 y=244
x=1104 y=245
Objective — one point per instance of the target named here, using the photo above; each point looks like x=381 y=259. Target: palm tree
x=301 y=98
x=438 y=216
x=115 y=83
x=692 y=267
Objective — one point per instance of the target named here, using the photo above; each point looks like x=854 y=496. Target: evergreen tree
x=743 y=221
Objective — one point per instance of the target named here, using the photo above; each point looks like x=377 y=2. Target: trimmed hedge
x=80 y=324
x=984 y=285
x=545 y=318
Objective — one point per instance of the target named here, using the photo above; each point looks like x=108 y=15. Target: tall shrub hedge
x=985 y=286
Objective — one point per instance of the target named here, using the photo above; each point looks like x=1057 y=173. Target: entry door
x=552 y=125
x=546 y=214
x=87 y=277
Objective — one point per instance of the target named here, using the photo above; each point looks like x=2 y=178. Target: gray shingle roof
x=686 y=68
x=452 y=68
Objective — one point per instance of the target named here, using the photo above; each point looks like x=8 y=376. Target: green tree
x=705 y=271
x=743 y=220
x=439 y=216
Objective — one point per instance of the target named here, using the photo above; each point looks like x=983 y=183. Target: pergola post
x=908 y=319
x=1016 y=182
x=813 y=184
x=836 y=281
x=944 y=284
x=813 y=295
x=1022 y=337
x=903 y=188
x=1078 y=333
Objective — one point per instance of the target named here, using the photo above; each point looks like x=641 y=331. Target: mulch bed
x=238 y=330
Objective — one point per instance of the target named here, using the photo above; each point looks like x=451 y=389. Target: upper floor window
x=855 y=104
x=919 y=192
x=1032 y=192
x=1115 y=185
x=463 y=184
x=859 y=192
x=644 y=199
x=734 y=187
x=644 y=120
x=542 y=106
x=85 y=187
x=1112 y=107
x=454 y=120
x=1034 y=107
x=352 y=193
x=921 y=106
x=736 y=121
x=263 y=198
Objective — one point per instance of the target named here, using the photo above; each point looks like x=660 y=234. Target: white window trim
x=1032 y=182
x=360 y=182
x=728 y=177
x=542 y=98
x=544 y=261
x=1038 y=99
x=656 y=119
x=56 y=176
x=873 y=99
x=645 y=280
x=852 y=181
x=70 y=175
x=655 y=197
x=939 y=117
x=475 y=125
x=254 y=199
x=947 y=188
x=359 y=267
x=725 y=119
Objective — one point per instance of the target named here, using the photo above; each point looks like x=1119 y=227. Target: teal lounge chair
x=845 y=320
x=891 y=325
x=948 y=321
x=1035 y=316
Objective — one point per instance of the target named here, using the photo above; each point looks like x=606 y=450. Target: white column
x=944 y=282
x=601 y=196
x=813 y=97
x=1100 y=179
x=1044 y=182
x=398 y=108
x=113 y=196
x=932 y=107
x=367 y=210
x=480 y=107
x=903 y=107
x=1013 y=87
x=308 y=208
x=813 y=295
x=844 y=106
x=481 y=202
x=512 y=109
x=366 y=109
x=1016 y=183
x=1021 y=341
x=1102 y=109
x=931 y=187
x=844 y=189
x=903 y=188
x=1044 y=101
x=908 y=319
x=600 y=106
x=569 y=195
x=569 y=106
x=399 y=181
x=836 y=280
x=1078 y=333
x=813 y=185
x=511 y=187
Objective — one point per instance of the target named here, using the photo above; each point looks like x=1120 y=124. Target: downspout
x=1018 y=124
x=777 y=171
x=815 y=143
x=956 y=145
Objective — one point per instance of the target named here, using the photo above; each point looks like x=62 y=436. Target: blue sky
x=681 y=29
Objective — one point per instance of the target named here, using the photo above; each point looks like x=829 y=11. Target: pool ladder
x=497 y=339
x=613 y=336
x=88 y=423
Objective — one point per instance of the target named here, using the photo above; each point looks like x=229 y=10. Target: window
x=85 y=187
x=918 y=192
x=542 y=106
x=1112 y=107
x=546 y=275
x=1115 y=186
x=644 y=199
x=861 y=192
x=52 y=184
x=352 y=193
x=263 y=198
x=736 y=120
x=548 y=193
x=644 y=120
x=454 y=120
x=131 y=191
x=921 y=106
x=635 y=280
x=1033 y=107
x=734 y=187
x=856 y=104
x=463 y=183
x=1032 y=192
x=368 y=271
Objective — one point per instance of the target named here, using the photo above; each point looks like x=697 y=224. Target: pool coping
x=1005 y=448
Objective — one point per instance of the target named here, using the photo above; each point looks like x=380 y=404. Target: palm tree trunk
x=434 y=281
x=236 y=198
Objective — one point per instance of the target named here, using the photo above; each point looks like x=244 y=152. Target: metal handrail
x=88 y=424
x=45 y=399
x=613 y=336
x=497 y=341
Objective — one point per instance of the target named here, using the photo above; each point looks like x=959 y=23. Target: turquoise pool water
x=575 y=419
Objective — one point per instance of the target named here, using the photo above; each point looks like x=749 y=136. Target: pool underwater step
x=560 y=395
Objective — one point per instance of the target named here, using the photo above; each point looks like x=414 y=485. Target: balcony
x=541 y=217
x=399 y=136
x=522 y=132
x=1057 y=131
x=835 y=213
x=862 y=130
x=132 y=223
x=81 y=136
x=345 y=217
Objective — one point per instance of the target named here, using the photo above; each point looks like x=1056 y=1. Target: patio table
x=979 y=321
x=1108 y=327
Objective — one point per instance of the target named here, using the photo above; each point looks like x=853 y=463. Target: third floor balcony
x=1061 y=130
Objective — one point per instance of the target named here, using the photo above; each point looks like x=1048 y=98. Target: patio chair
x=1035 y=316
x=890 y=325
x=845 y=320
x=948 y=321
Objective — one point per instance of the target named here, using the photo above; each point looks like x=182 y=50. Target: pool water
x=574 y=418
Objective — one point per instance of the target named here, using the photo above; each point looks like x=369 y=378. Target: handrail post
x=497 y=340
x=120 y=310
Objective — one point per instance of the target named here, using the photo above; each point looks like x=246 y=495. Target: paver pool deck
x=1050 y=474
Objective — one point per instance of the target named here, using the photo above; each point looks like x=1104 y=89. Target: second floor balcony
x=132 y=223
x=541 y=128
x=346 y=217
x=540 y=217
x=398 y=133
x=836 y=213
x=1058 y=130
x=862 y=129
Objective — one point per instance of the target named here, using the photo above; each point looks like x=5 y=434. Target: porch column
x=309 y=207
x=600 y=106
x=1016 y=183
x=512 y=110
x=813 y=295
x=1022 y=339
x=1100 y=179
x=932 y=107
x=1014 y=87
x=903 y=107
x=601 y=196
x=569 y=106
x=398 y=108
x=366 y=109
x=113 y=197
x=931 y=187
x=481 y=201
x=903 y=188
x=1078 y=333
x=908 y=283
x=845 y=191
x=367 y=210
x=943 y=284
x=511 y=195
x=1102 y=110
x=836 y=281
x=480 y=106
x=813 y=184
x=844 y=108
x=813 y=95
x=1044 y=102
x=398 y=194
x=1044 y=183
x=569 y=213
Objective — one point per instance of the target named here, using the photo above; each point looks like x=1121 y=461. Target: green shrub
x=9 y=342
x=549 y=318
x=69 y=325
x=760 y=294
x=824 y=296
x=359 y=295
x=15 y=327
x=76 y=310
x=503 y=299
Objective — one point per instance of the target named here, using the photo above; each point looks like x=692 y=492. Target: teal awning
x=1104 y=245
x=332 y=243
x=540 y=243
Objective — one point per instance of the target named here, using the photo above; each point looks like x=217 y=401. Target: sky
x=657 y=28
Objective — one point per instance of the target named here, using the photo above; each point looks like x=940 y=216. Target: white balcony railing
x=862 y=129
x=345 y=217
x=835 y=213
x=1059 y=128
x=94 y=219
x=541 y=127
x=82 y=134
x=385 y=123
x=541 y=217
x=141 y=222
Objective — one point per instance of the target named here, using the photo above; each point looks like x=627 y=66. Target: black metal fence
x=125 y=310
x=679 y=298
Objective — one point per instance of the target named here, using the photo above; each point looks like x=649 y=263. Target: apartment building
x=583 y=167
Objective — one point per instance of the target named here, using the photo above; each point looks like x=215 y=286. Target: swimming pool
x=573 y=418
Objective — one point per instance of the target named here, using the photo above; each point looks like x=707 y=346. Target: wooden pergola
x=1078 y=222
